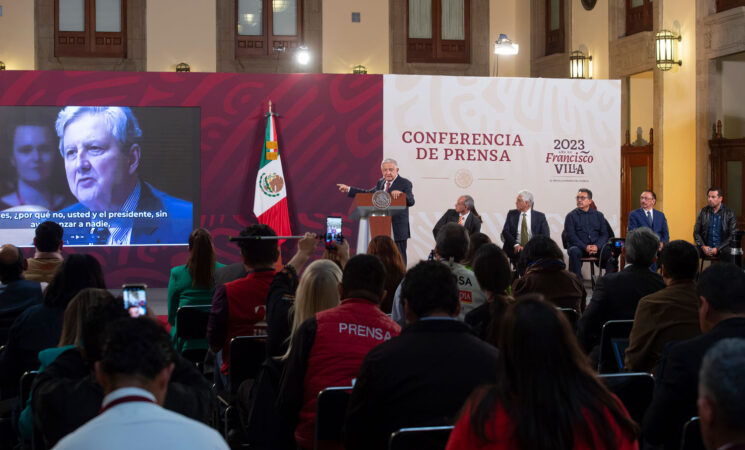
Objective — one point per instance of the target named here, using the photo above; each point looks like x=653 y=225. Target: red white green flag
x=270 y=197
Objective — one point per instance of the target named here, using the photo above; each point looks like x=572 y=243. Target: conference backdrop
x=492 y=137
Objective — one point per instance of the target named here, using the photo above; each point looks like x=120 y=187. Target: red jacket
x=344 y=335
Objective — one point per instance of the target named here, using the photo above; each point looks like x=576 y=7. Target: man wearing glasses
x=585 y=233
x=647 y=216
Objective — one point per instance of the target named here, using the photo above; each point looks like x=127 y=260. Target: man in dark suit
x=522 y=224
x=617 y=294
x=721 y=290
x=464 y=214
x=396 y=186
x=423 y=376
x=721 y=396
x=647 y=216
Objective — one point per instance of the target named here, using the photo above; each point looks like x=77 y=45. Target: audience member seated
x=542 y=263
x=286 y=310
x=493 y=272
x=617 y=294
x=387 y=252
x=137 y=363
x=670 y=314
x=66 y=394
x=721 y=396
x=546 y=395
x=193 y=283
x=48 y=255
x=71 y=337
x=16 y=293
x=475 y=241
x=450 y=248
x=238 y=305
x=586 y=233
x=327 y=349
x=721 y=290
x=423 y=376
x=40 y=326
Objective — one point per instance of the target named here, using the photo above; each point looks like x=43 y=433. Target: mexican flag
x=270 y=197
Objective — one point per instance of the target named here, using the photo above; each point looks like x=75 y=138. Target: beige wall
x=510 y=17
x=181 y=31
x=733 y=96
x=641 y=108
x=17 y=34
x=679 y=123
x=347 y=44
x=590 y=35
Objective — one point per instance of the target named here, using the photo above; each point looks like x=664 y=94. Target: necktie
x=460 y=220
x=649 y=217
x=524 y=231
x=387 y=185
x=99 y=236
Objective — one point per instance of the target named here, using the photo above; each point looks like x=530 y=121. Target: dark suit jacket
x=419 y=378
x=472 y=225
x=538 y=226
x=638 y=219
x=615 y=298
x=173 y=229
x=676 y=390
x=399 y=219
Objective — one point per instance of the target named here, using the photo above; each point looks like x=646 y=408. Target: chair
x=635 y=390
x=27 y=379
x=711 y=259
x=424 y=438
x=591 y=259
x=247 y=354
x=572 y=316
x=331 y=408
x=191 y=323
x=692 y=439
x=614 y=338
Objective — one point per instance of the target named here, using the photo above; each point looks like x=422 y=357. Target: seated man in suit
x=721 y=291
x=522 y=224
x=464 y=214
x=436 y=353
x=585 y=234
x=647 y=216
x=721 y=396
x=101 y=149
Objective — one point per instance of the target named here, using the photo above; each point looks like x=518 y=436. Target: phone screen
x=333 y=231
x=135 y=299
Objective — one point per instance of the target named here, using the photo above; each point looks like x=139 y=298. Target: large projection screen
x=492 y=137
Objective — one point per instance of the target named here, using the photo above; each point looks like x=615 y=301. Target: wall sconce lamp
x=302 y=55
x=504 y=46
x=2 y=65
x=183 y=67
x=666 y=50
x=580 y=66
x=359 y=69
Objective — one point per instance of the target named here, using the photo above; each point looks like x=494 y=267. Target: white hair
x=389 y=160
x=527 y=196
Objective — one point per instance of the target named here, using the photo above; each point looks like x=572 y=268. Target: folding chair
x=572 y=316
x=635 y=390
x=614 y=338
x=423 y=438
x=191 y=324
x=331 y=408
x=692 y=439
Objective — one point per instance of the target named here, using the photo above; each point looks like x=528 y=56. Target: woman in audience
x=40 y=326
x=193 y=283
x=387 y=252
x=545 y=273
x=475 y=242
x=492 y=270
x=546 y=396
x=71 y=337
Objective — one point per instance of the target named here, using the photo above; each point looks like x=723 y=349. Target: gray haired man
x=463 y=214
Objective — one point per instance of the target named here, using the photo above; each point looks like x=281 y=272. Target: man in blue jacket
x=586 y=233
x=647 y=216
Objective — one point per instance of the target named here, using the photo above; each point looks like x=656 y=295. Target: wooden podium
x=373 y=221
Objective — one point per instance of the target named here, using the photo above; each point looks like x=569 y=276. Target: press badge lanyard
x=125 y=399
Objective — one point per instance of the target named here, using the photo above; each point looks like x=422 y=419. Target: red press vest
x=246 y=306
x=345 y=334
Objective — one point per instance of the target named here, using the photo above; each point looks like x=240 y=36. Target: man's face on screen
x=389 y=171
x=33 y=153
x=100 y=174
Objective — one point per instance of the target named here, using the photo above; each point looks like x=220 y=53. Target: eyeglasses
x=646 y=198
x=579 y=197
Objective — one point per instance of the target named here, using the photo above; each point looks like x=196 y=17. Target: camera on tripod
x=736 y=247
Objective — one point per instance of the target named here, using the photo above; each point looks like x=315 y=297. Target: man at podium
x=394 y=185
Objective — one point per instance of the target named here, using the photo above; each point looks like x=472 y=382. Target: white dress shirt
x=520 y=225
x=465 y=217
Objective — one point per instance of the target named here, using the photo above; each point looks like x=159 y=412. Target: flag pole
x=270 y=106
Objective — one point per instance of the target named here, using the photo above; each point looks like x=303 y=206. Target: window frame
x=724 y=5
x=89 y=42
x=246 y=46
x=555 y=39
x=639 y=18
x=436 y=49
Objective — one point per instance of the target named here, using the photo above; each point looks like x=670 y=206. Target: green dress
x=182 y=293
